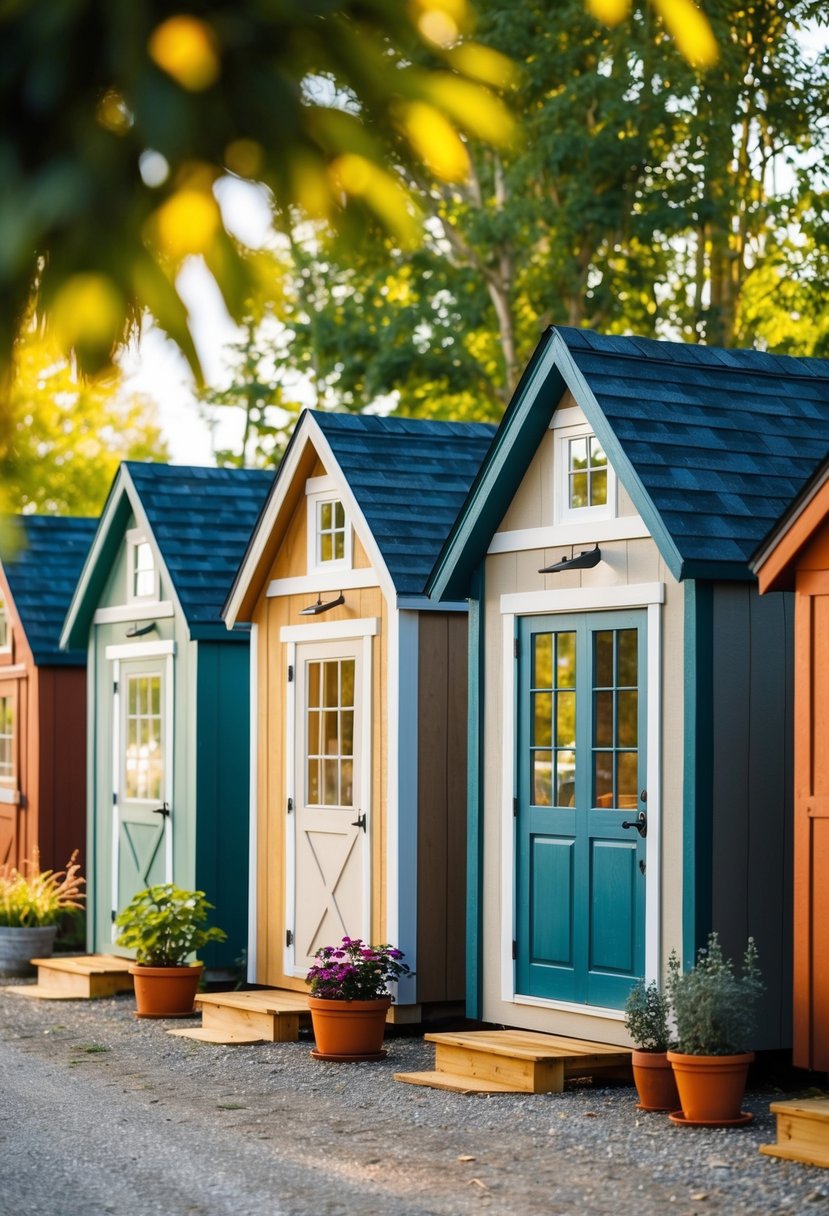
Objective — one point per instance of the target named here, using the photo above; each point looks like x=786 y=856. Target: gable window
x=5 y=632
x=329 y=531
x=586 y=481
x=6 y=738
x=142 y=574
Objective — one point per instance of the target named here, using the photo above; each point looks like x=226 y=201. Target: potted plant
x=32 y=902
x=349 y=998
x=163 y=925
x=647 y=1013
x=715 y=1011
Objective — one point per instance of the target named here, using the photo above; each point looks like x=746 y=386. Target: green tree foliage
x=643 y=195
x=66 y=435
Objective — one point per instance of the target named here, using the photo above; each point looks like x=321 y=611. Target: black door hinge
x=290 y=805
x=515 y=808
x=114 y=798
x=112 y=915
x=514 y=950
x=114 y=686
x=289 y=937
x=290 y=673
x=515 y=647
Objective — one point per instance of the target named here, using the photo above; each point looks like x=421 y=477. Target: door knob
x=640 y=823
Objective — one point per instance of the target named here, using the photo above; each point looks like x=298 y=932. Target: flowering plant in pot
x=350 y=998
x=647 y=1015
x=32 y=903
x=715 y=1010
x=163 y=925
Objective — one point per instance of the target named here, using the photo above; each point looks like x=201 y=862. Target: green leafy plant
x=164 y=924
x=354 y=971
x=647 y=1016
x=32 y=897
x=715 y=1009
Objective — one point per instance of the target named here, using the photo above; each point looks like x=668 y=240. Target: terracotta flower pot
x=165 y=992
x=349 y=1031
x=19 y=943
x=654 y=1080
x=711 y=1088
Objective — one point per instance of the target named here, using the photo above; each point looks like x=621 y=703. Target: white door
x=329 y=820
x=142 y=778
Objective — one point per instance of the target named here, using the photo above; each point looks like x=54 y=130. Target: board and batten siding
x=270 y=615
x=441 y=836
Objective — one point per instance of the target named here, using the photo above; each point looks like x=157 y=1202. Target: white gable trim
x=307 y=584
x=623 y=527
x=308 y=431
x=141 y=610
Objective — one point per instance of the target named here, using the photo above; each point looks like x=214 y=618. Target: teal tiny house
x=630 y=735
x=168 y=693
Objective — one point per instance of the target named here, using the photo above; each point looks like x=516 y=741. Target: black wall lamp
x=585 y=561
x=319 y=607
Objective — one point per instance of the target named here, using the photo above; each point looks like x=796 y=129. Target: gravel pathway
x=105 y=1114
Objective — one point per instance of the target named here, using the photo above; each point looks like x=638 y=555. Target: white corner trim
x=140 y=610
x=253 y=802
x=324 y=580
x=584 y=599
x=653 y=854
x=508 y=792
x=331 y=630
x=140 y=650
x=623 y=527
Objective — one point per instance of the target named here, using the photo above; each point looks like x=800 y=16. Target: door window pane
x=329 y=716
x=553 y=725
x=6 y=737
x=615 y=718
x=144 y=751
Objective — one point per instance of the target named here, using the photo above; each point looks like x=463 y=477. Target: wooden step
x=77 y=977
x=516 y=1061
x=266 y=1015
x=802 y=1131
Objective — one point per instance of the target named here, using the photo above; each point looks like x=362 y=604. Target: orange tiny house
x=42 y=692
x=358 y=779
x=795 y=557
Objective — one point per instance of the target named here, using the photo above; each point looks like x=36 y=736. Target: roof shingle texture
x=201 y=519
x=42 y=574
x=410 y=477
x=722 y=440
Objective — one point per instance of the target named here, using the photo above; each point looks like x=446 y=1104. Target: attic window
x=329 y=532
x=141 y=568
x=587 y=483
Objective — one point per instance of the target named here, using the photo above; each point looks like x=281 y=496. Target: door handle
x=640 y=823
x=360 y=821
x=164 y=810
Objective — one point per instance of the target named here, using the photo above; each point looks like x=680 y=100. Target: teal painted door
x=581 y=764
x=141 y=801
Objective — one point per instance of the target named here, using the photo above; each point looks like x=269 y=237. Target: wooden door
x=142 y=811
x=580 y=884
x=329 y=827
x=10 y=775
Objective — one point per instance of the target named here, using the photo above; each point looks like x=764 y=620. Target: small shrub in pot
x=647 y=1020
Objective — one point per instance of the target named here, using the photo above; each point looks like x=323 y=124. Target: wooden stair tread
x=816 y=1109
x=85 y=964
x=263 y=1001
x=39 y=992
x=531 y=1045
x=207 y=1035
x=455 y=1082
x=804 y=1156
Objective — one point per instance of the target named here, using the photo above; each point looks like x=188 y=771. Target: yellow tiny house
x=359 y=700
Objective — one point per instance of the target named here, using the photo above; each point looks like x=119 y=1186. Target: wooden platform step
x=516 y=1061
x=802 y=1131
x=266 y=1015
x=77 y=977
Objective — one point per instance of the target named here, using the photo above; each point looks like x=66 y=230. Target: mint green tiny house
x=168 y=694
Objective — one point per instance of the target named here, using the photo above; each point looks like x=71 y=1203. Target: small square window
x=586 y=482
x=142 y=573
x=330 y=532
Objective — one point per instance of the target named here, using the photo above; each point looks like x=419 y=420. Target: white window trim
x=9 y=797
x=325 y=580
x=328 y=631
x=139 y=650
x=623 y=527
x=134 y=538
x=650 y=596
x=10 y=782
x=138 y=610
x=326 y=489
x=563 y=512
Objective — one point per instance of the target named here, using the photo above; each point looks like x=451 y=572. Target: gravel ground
x=102 y=1113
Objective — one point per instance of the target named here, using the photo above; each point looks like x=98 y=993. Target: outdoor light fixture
x=316 y=609
x=138 y=631
x=585 y=561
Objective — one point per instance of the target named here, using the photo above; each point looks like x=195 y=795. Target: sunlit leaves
x=187 y=50
x=690 y=29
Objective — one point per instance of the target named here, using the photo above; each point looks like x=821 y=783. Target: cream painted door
x=142 y=840
x=329 y=823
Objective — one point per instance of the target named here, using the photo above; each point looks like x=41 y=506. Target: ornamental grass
x=32 y=897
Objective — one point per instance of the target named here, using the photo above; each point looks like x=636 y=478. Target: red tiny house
x=795 y=557
x=42 y=695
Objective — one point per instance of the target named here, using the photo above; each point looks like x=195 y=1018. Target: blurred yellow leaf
x=435 y=141
x=440 y=21
x=87 y=310
x=186 y=49
x=311 y=185
x=472 y=107
x=357 y=176
x=690 y=30
x=611 y=12
x=187 y=223
x=482 y=63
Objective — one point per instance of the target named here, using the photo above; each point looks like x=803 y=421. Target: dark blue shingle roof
x=201 y=519
x=42 y=570
x=410 y=477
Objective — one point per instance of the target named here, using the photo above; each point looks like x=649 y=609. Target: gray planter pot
x=18 y=944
